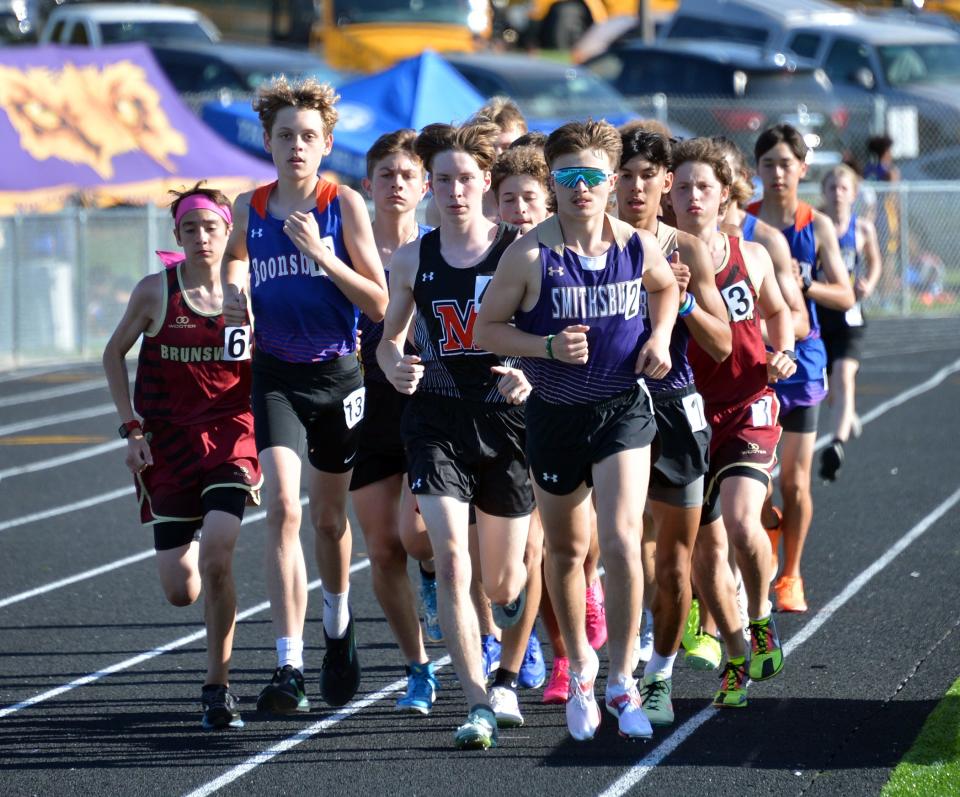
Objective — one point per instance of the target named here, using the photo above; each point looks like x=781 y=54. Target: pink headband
x=201 y=202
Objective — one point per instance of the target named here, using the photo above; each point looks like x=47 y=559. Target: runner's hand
x=570 y=345
x=513 y=385
x=138 y=457
x=779 y=366
x=406 y=374
x=235 y=307
x=302 y=229
x=654 y=358
x=680 y=272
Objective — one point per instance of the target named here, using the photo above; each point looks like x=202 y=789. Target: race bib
x=236 y=343
x=479 y=289
x=693 y=407
x=854 y=316
x=762 y=411
x=353 y=406
x=739 y=301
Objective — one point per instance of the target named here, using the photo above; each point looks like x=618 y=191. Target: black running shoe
x=285 y=694
x=220 y=708
x=831 y=460
x=340 y=672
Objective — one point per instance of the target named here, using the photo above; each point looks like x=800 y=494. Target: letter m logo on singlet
x=457 y=326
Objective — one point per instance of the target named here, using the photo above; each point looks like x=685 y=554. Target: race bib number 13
x=353 y=407
x=236 y=343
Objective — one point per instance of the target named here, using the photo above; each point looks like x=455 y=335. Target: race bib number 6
x=353 y=406
x=236 y=343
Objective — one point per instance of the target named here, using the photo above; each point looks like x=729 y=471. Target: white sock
x=336 y=614
x=290 y=651
x=660 y=665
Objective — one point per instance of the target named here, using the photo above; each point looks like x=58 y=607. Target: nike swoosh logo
x=349 y=459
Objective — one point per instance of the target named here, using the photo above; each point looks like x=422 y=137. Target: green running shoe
x=733 y=685
x=693 y=625
x=655 y=694
x=766 y=655
x=704 y=653
x=479 y=732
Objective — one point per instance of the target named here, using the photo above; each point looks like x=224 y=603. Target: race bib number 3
x=739 y=300
x=236 y=343
x=353 y=406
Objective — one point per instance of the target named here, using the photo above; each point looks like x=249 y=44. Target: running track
x=99 y=677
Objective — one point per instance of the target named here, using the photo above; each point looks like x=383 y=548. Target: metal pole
x=17 y=235
x=903 y=209
x=646 y=21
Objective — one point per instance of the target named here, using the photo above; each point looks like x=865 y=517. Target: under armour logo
x=555 y=271
x=551 y=477
x=257 y=233
x=428 y=277
x=417 y=484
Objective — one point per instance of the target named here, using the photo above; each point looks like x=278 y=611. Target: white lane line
x=63 y=459
x=99 y=571
x=60 y=417
x=66 y=508
x=126 y=664
x=31 y=373
x=292 y=741
x=52 y=392
x=645 y=766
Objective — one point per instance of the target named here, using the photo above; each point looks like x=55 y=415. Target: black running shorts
x=844 y=343
x=380 y=449
x=565 y=441
x=325 y=399
x=684 y=438
x=467 y=450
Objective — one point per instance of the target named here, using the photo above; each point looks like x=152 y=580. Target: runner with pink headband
x=202 y=202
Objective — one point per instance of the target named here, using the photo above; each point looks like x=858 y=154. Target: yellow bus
x=558 y=24
x=356 y=35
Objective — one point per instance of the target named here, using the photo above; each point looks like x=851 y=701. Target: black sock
x=428 y=576
x=505 y=678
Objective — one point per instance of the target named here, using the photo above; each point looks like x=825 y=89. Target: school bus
x=557 y=24
x=356 y=35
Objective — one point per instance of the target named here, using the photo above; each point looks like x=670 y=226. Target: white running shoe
x=623 y=702
x=506 y=707
x=583 y=713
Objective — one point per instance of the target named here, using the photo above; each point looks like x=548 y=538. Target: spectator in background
x=882 y=169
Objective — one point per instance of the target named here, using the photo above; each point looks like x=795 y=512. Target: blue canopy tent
x=412 y=93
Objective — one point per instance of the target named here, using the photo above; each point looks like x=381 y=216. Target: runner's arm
x=835 y=292
x=772 y=308
x=663 y=303
x=779 y=250
x=143 y=310
x=403 y=371
x=865 y=286
x=235 y=267
x=708 y=321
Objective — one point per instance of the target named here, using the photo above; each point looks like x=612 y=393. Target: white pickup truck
x=95 y=24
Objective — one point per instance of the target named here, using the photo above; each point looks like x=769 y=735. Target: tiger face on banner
x=89 y=115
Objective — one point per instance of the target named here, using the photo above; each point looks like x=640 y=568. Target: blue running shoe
x=428 y=607
x=490 y=654
x=533 y=670
x=422 y=686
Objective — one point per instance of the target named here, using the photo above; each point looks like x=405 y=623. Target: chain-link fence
x=836 y=125
x=65 y=278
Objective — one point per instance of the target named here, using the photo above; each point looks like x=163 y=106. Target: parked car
x=199 y=69
x=96 y=24
x=942 y=164
x=888 y=66
x=549 y=93
x=735 y=90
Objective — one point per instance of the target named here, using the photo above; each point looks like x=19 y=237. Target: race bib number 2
x=236 y=343
x=353 y=406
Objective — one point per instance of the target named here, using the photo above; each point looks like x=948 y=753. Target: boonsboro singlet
x=300 y=315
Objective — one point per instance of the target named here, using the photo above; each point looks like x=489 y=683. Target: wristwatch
x=128 y=428
x=790 y=354
x=807 y=282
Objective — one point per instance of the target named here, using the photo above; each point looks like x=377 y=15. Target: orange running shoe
x=789 y=592
x=774 y=535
